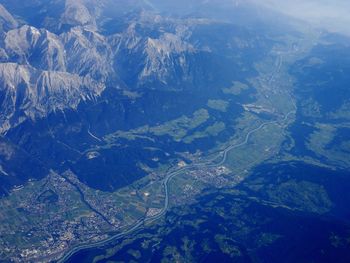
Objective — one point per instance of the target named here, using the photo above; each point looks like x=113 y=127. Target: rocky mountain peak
x=31 y=93
x=39 y=48
x=76 y=13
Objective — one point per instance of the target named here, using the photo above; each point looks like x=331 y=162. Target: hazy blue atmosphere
x=330 y=15
x=174 y=131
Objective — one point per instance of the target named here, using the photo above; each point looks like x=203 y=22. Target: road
x=170 y=175
x=166 y=181
x=224 y=153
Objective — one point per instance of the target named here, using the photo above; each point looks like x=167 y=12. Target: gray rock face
x=157 y=58
x=39 y=48
x=76 y=13
x=43 y=72
x=87 y=53
x=31 y=93
x=49 y=67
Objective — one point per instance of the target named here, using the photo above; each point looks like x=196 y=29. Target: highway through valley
x=222 y=156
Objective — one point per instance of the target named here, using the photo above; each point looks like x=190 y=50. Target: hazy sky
x=333 y=15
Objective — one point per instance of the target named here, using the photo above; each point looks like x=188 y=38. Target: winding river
x=170 y=175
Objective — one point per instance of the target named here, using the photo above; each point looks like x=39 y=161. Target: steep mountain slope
x=29 y=93
x=146 y=51
x=105 y=66
x=39 y=48
x=114 y=111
